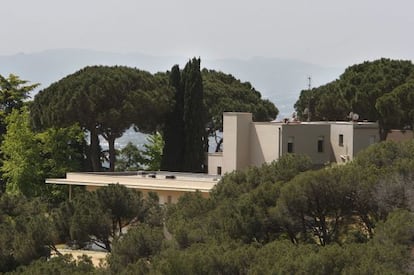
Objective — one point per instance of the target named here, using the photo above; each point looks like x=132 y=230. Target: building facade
x=247 y=143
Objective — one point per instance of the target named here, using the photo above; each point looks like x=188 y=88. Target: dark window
x=320 y=145
x=341 y=140
x=218 y=170
x=290 y=145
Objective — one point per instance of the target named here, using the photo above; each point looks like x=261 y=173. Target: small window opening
x=290 y=145
x=320 y=144
x=341 y=140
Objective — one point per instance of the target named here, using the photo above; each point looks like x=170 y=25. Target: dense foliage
x=132 y=158
x=105 y=101
x=101 y=216
x=224 y=93
x=380 y=90
x=282 y=217
x=13 y=92
x=29 y=158
x=285 y=217
x=26 y=233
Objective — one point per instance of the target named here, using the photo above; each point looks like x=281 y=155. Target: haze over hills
x=279 y=80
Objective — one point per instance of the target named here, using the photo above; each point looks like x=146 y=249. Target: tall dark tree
x=173 y=153
x=221 y=93
x=185 y=135
x=194 y=117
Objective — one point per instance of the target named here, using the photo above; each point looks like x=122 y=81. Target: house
x=247 y=143
x=168 y=185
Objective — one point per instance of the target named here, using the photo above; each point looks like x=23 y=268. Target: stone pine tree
x=105 y=101
x=194 y=117
x=184 y=132
x=173 y=152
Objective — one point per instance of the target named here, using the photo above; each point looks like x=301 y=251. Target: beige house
x=247 y=143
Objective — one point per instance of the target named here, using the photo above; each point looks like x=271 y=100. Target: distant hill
x=279 y=80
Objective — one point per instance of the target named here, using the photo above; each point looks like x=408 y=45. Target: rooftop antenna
x=310 y=98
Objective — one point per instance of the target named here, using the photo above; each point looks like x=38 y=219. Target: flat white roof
x=157 y=181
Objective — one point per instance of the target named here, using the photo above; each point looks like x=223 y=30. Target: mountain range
x=279 y=80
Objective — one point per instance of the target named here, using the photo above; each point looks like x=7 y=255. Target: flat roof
x=355 y=124
x=157 y=181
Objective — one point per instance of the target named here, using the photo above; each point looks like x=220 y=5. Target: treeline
x=380 y=90
x=106 y=101
x=282 y=217
x=46 y=137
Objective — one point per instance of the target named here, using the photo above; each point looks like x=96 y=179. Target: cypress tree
x=184 y=131
x=194 y=118
x=173 y=152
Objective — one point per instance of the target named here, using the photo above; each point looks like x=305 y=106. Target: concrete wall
x=252 y=144
x=364 y=136
x=342 y=153
x=264 y=143
x=215 y=160
x=306 y=138
x=236 y=141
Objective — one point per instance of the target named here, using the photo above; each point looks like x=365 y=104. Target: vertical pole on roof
x=310 y=97
x=280 y=140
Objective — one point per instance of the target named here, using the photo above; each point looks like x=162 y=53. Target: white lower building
x=168 y=185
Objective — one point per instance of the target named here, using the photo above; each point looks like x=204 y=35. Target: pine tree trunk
x=95 y=151
x=112 y=153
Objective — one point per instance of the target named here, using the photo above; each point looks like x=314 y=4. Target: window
x=169 y=199
x=320 y=144
x=218 y=170
x=341 y=140
x=290 y=144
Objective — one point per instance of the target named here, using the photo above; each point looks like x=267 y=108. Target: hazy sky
x=326 y=32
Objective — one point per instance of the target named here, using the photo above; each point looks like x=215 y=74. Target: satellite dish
x=355 y=117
